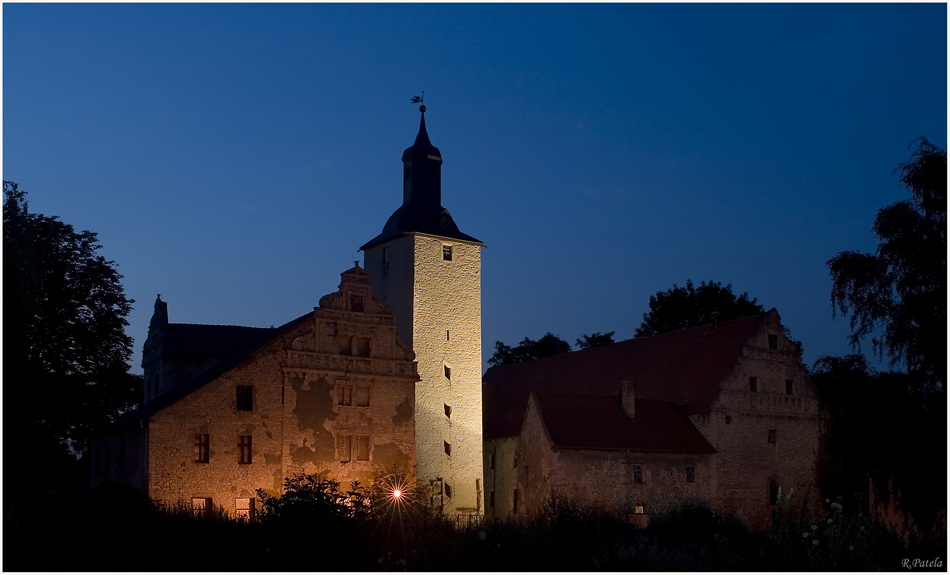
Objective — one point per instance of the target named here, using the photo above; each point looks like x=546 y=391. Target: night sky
x=234 y=157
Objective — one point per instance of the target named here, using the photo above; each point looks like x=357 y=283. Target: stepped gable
x=599 y=422
x=682 y=366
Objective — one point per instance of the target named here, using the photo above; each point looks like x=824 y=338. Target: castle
x=384 y=378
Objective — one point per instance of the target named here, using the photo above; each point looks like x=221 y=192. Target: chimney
x=628 y=398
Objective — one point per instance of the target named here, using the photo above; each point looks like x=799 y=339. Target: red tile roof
x=599 y=422
x=682 y=366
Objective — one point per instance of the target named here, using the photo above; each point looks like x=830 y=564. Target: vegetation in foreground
x=316 y=527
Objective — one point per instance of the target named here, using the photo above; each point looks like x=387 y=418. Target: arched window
x=773 y=492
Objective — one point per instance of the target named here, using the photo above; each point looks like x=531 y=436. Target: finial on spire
x=420 y=100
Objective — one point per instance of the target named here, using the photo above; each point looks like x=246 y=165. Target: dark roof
x=195 y=340
x=682 y=366
x=599 y=422
x=246 y=348
x=422 y=210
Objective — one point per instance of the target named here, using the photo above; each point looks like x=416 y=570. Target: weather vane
x=420 y=100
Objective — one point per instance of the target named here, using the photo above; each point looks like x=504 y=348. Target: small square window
x=637 y=474
x=638 y=510
x=448 y=448
x=448 y=491
x=728 y=419
x=447 y=253
x=244 y=444
x=244 y=508
x=773 y=435
x=202 y=445
x=245 y=397
x=690 y=474
x=362 y=448
x=773 y=342
x=754 y=384
x=789 y=386
x=448 y=372
x=448 y=410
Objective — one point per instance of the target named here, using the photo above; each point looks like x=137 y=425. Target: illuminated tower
x=430 y=273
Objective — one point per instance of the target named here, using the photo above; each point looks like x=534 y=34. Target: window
x=344 y=447
x=773 y=342
x=491 y=461
x=448 y=410
x=362 y=396
x=343 y=342
x=245 y=397
x=356 y=303
x=201 y=505
x=362 y=448
x=514 y=501
x=773 y=434
x=448 y=372
x=362 y=346
x=638 y=510
x=789 y=386
x=491 y=498
x=690 y=474
x=637 y=474
x=448 y=491
x=202 y=451
x=446 y=335
x=447 y=253
x=244 y=508
x=448 y=448
x=754 y=384
x=244 y=443
x=728 y=419
x=773 y=492
x=344 y=394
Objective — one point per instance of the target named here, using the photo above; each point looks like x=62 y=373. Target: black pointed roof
x=422 y=210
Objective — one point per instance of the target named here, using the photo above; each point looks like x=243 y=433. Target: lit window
x=244 y=443
x=789 y=386
x=201 y=505
x=638 y=510
x=244 y=508
x=245 y=397
x=448 y=448
x=773 y=435
x=202 y=451
x=754 y=384
x=344 y=447
x=690 y=474
x=773 y=342
x=637 y=474
x=447 y=253
x=362 y=448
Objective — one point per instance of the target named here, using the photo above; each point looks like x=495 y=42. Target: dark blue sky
x=234 y=157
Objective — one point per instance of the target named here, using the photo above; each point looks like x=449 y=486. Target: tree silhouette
x=682 y=307
x=598 y=339
x=66 y=351
x=899 y=295
x=528 y=350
